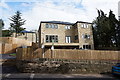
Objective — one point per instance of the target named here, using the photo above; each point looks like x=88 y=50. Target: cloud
x=65 y=10
x=4 y=5
x=48 y=11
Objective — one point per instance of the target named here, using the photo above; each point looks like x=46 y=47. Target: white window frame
x=67 y=27
x=87 y=26
x=68 y=39
x=82 y=25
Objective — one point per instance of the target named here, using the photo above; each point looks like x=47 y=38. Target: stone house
x=65 y=35
x=27 y=35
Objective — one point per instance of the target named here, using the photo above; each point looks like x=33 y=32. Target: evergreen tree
x=106 y=30
x=17 y=23
x=113 y=25
x=118 y=35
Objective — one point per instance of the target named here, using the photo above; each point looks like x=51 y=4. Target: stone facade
x=65 y=66
x=27 y=36
x=77 y=30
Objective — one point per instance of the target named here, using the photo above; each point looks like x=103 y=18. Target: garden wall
x=65 y=66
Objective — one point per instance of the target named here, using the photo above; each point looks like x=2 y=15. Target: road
x=32 y=76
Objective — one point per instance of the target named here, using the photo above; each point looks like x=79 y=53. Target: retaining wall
x=65 y=66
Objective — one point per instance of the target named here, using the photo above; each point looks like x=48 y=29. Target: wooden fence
x=29 y=53
x=9 y=44
x=8 y=48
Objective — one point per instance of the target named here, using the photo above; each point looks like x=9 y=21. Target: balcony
x=62 y=44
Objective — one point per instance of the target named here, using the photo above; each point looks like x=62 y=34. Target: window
x=83 y=36
x=68 y=39
x=84 y=25
x=87 y=26
x=49 y=38
x=50 y=26
x=56 y=26
x=67 y=27
x=76 y=37
x=86 y=46
x=53 y=26
x=47 y=25
x=119 y=18
x=86 y=36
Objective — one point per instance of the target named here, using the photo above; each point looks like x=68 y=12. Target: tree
x=99 y=30
x=113 y=24
x=1 y=24
x=118 y=35
x=105 y=30
x=17 y=23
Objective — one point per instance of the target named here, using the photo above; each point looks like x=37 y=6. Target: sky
x=35 y=11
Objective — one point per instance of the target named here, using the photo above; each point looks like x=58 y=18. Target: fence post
x=3 y=48
x=51 y=53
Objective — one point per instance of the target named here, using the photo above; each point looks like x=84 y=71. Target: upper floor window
x=76 y=37
x=50 y=38
x=85 y=36
x=67 y=27
x=85 y=26
x=53 y=26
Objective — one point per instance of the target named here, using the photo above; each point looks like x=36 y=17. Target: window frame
x=86 y=46
x=52 y=26
x=49 y=38
x=76 y=37
x=68 y=39
x=67 y=27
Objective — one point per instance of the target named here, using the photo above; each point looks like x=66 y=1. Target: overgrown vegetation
x=106 y=31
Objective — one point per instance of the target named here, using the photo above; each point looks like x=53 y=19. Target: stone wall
x=65 y=66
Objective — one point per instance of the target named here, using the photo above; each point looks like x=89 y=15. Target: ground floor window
x=50 y=38
x=68 y=39
x=86 y=46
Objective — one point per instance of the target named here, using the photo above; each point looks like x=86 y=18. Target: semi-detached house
x=65 y=35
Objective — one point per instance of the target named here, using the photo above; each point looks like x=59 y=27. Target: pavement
x=29 y=76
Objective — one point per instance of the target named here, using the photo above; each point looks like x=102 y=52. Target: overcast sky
x=34 y=11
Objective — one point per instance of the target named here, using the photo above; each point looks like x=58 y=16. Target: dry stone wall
x=65 y=66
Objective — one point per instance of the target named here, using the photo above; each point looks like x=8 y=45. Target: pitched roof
x=24 y=31
x=83 y=22
x=57 y=22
